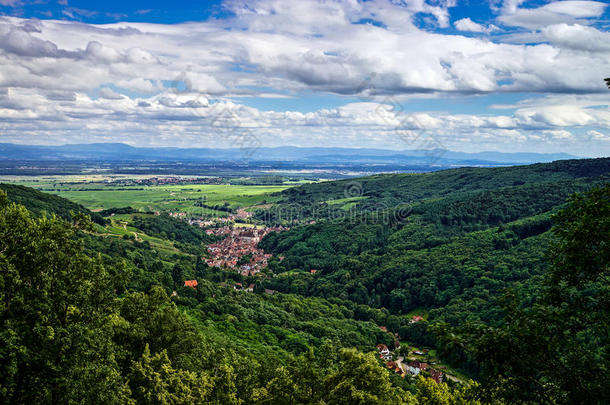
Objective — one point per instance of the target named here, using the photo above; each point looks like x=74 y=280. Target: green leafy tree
x=55 y=343
x=360 y=380
x=558 y=351
x=280 y=389
x=225 y=390
x=155 y=381
x=431 y=393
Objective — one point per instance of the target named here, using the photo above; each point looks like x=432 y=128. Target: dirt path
x=454 y=379
x=135 y=234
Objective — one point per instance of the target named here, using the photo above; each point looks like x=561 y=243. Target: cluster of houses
x=240 y=242
x=414 y=367
x=161 y=180
x=416 y=318
x=384 y=352
x=240 y=214
x=178 y=215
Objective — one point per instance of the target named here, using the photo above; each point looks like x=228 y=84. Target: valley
x=390 y=265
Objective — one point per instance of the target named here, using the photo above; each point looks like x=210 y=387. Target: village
x=239 y=249
x=170 y=180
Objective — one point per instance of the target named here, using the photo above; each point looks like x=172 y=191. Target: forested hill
x=38 y=203
x=475 y=252
x=464 y=236
x=385 y=191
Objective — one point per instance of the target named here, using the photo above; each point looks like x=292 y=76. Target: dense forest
x=452 y=251
x=509 y=265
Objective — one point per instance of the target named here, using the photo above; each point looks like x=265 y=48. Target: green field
x=95 y=194
x=118 y=228
x=174 y=198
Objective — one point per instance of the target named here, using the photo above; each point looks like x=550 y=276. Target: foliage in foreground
x=558 y=350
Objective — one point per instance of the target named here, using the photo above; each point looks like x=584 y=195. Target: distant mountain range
x=115 y=152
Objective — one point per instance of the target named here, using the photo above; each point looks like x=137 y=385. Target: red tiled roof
x=418 y=364
x=190 y=283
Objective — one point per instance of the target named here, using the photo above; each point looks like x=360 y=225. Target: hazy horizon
x=338 y=148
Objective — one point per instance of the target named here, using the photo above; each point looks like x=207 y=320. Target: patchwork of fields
x=97 y=194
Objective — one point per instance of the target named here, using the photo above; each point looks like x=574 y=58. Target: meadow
x=98 y=193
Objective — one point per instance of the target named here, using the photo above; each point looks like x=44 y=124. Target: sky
x=464 y=75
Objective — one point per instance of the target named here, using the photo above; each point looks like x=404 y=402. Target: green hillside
x=38 y=202
x=115 y=310
x=376 y=193
x=453 y=251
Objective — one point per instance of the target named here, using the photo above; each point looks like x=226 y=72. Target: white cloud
x=599 y=136
x=578 y=9
x=466 y=24
x=317 y=46
x=557 y=133
x=556 y=12
x=140 y=56
x=188 y=119
x=561 y=116
x=20 y=42
x=510 y=6
x=139 y=85
x=577 y=37
x=101 y=53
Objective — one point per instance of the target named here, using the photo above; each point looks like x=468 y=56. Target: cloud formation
x=147 y=82
x=467 y=25
x=567 y=11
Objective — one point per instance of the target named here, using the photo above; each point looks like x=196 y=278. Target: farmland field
x=96 y=193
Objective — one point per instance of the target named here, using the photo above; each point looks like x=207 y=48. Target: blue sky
x=508 y=75
x=96 y=12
